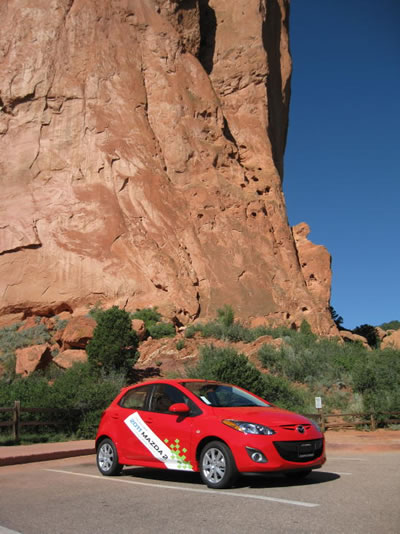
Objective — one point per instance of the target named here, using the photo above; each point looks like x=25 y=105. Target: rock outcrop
x=141 y=150
x=392 y=340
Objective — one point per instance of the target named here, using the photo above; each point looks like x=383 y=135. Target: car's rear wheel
x=107 y=458
x=217 y=465
x=298 y=475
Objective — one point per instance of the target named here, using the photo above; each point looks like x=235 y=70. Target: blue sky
x=342 y=162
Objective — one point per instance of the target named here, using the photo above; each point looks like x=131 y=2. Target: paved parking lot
x=351 y=493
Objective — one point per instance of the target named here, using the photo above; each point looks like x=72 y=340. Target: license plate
x=305 y=450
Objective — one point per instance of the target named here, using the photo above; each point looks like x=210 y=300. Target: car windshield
x=223 y=395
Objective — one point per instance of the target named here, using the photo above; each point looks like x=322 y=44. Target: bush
x=159 y=330
x=180 y=344
x=76 y=398
x=147 y=315
x=226 y=315
x=82 y=394
x=370 y=334
x=152 y=322
x=392 y=325
x=114 y=344
x=227 y=365
x=225 y=328
x=308 y=359
x=11 y=339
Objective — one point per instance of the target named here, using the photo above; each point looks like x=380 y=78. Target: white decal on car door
x=171 y=456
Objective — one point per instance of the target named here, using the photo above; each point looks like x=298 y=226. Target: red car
x=217 y=429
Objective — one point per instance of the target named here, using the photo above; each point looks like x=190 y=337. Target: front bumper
x=281 y=454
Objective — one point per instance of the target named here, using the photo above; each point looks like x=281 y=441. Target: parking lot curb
x=43 y=452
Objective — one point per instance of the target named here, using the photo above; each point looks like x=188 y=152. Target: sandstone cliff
x=141 y=149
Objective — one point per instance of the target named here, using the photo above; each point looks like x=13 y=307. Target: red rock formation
x=140 y=328
x=32 y=358
x=78 y=332
x=315 y=263
x=391 y=340
x=67 y=358
x=141 y=148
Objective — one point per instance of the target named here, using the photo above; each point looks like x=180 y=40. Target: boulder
x=78 y=332
x=140 y=328
x=392 y=340
x=30 y=359
x=68 y=357
x=350 y=337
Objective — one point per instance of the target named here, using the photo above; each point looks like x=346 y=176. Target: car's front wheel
x=107 y=458
x=217 y=465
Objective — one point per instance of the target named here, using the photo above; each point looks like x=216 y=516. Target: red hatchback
x=201 y=425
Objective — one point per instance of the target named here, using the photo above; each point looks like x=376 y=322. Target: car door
x=172 y=430
x=131 y=409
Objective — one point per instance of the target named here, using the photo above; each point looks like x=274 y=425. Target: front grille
x=299 y=451
x=306 y=426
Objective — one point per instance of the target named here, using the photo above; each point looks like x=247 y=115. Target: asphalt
x=378 y=441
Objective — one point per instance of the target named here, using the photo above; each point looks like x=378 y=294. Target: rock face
x=141 y=149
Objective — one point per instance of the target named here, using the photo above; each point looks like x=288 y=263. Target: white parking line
x=193 y=490
x=337 y=473
x=4 y=530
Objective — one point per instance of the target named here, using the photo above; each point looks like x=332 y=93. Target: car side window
x=165 y=395
x=135 y=398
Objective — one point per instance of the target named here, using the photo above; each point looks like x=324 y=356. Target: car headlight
x=249 y=428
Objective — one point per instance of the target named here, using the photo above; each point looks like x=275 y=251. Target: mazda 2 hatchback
x=216 y=429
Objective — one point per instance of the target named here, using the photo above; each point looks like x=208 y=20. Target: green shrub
x=159 y=330
x=226 y=315
x=11 y=339
x=76 y=398
x=370 y=334
x=392 y=325
x=227 y=329
x=96 y=312
x=59 y=324
x=180 y=344
x=114 y=344
x=153 y=324
x=82 y=395
x=227 y=365
x=308 y=359
x=147 y=315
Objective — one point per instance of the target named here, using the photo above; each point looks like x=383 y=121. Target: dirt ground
x=381 y=440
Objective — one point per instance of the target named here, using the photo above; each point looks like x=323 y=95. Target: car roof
x=170 y=381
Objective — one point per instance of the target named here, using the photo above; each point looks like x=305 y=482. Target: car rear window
x=135 y=399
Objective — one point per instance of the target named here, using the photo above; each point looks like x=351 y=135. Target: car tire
x=217 y=465
x=298 y=475
x=107 y=458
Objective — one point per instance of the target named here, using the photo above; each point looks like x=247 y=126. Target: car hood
x=265 y=416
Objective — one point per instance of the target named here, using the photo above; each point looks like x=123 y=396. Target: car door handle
x=148 y=420
x=114 y=416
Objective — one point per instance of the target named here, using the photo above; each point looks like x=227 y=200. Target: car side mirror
x=179 y=407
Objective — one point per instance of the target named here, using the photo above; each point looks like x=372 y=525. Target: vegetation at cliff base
x=114 y=344
x=297 y=366
x=75 y=398
x=227 y=365
x=153 y=323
